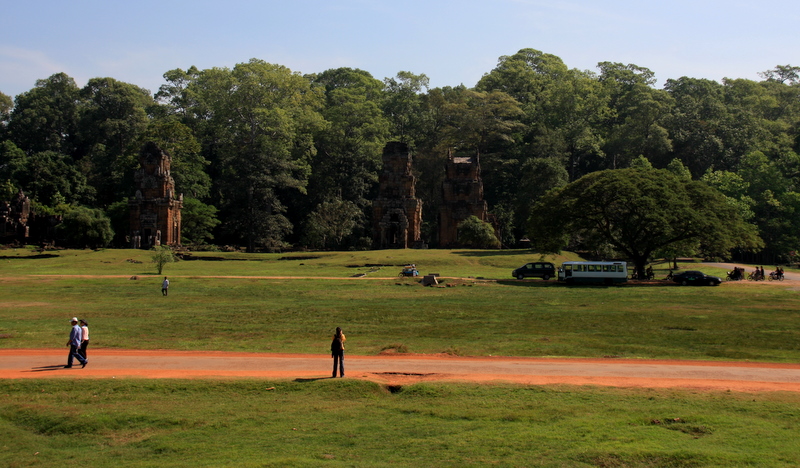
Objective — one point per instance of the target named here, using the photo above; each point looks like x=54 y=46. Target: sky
x=451 y=42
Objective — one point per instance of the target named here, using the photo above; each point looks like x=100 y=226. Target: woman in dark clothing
x=337 y=351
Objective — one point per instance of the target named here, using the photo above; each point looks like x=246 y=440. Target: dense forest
x=273 y=159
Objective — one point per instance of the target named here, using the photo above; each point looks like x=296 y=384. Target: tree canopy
x=637 y=212
x=263 y=151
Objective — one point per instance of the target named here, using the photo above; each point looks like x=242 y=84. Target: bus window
x=606 y=268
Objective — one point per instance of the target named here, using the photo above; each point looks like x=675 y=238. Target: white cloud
x=20 y=68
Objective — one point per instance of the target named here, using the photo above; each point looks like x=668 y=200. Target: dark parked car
x=543 y=270
x=696 y=278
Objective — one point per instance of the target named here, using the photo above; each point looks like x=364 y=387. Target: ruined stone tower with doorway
x=155 y=210
x=462 y=197
x=397 y=212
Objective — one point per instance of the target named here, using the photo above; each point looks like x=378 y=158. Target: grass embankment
x=351 y=423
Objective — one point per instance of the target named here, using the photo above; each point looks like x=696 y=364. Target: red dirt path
x=403 y=369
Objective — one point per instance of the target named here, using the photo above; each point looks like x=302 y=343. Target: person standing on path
x=164 y=286
x=84 y=338
x=74 y=344
x=337 y=352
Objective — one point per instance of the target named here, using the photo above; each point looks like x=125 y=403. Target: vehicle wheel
x=546 y=277
x=712 y=283
x=520 y=277
x=684 y=283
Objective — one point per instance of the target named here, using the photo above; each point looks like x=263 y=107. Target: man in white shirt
x=74 y=344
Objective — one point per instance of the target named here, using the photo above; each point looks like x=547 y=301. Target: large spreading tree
x=638 y=212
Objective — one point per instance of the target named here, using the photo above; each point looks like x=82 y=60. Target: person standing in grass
x=164 y=286
x=337 y=351
x=84 y=338
x=74 y=344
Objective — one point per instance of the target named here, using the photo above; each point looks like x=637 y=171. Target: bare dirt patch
x=404 y=369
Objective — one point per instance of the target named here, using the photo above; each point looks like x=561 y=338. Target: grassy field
x=738 y=320
x=132 y=423
x=311 y=422
x=375 y=263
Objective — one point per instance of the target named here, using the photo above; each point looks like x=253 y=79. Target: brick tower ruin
x=155 y=210
x=462 y=197
x=14 y=216
x=397 y=213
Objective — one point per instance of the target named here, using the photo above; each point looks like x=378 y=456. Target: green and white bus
x=593 y=272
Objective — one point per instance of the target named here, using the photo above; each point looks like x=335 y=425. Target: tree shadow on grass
x=493 y=253
x=28 y=257
x=304 y=380
x=530 y=283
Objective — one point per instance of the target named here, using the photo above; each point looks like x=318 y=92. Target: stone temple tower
x=397 y=213
x=462 y=194
x=155 y=210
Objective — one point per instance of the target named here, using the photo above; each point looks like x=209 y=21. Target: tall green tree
x=261 y=119
x=6 y=104
x=188 y=166
x=331 y=223
x=177 y=97
x=13 y=164
x=51 y=178
x=562 y=107
x=635 y=123
x=46 y=117
x=402 y=105
x=710 y=125
x=638 y=212
x=349 y=147
x=112 y=119
x=86 y=227
x=198 y=221
x=772 y=187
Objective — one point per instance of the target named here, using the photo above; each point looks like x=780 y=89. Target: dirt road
x=406 y=369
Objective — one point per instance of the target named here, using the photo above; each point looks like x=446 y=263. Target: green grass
x=103 y=423
x=740 y=321
x=375 y=263
x=308 y=422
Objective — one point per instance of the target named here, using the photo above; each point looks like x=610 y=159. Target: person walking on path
x=74 y=344
x=337 y=352
x=84 y=338
x=165 y=287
